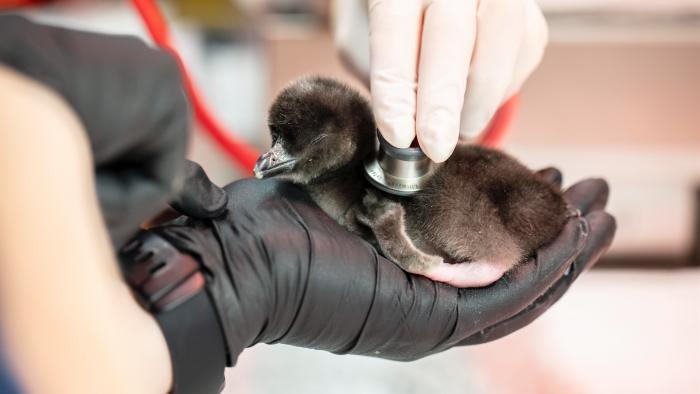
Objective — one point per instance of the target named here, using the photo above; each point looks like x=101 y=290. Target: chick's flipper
x=386 y=220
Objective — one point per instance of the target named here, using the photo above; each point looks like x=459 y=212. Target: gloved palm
x=130 y=100
x=281 y=271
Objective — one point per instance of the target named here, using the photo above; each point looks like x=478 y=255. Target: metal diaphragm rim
x=390 y=184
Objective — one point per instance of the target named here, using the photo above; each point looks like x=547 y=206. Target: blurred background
x=617 y=96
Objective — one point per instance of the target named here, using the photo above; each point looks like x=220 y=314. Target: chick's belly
x=470 y=274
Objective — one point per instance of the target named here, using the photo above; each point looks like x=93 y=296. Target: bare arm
x=69 y=321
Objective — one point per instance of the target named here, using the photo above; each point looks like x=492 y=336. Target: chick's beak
x=273 y=162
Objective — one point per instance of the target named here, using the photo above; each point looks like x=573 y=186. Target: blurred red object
x=21 y=3
x=501 y=123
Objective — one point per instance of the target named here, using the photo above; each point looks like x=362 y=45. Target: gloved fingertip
x=588 y=195
x=439 y=152
x=603 y=227
x=217 y=204
x=438 y=139
x=199 y=196
x=209 y=205
x=398 y=132
x=551 y=175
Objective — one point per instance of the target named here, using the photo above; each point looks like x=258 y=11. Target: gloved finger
x=588 y=195
x=603 y=228
x=521 y=286
x=199 y=197
x=534 y=42
x=551 y=175
x=493 y=65
x=395 y=27
x=449 y=32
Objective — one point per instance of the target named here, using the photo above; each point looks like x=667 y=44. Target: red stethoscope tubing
x=242 y=154
x=500 y=123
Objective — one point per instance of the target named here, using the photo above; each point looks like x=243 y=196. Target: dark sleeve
x=130 y=100
x=115 y=83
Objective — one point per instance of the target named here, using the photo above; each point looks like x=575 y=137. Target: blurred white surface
x=285 y=369
x=658 y=6
x=652 y=190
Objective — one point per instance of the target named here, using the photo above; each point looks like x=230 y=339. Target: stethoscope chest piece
x=398 y=171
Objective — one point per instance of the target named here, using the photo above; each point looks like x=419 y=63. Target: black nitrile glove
x=282 y=271
x=130 y=99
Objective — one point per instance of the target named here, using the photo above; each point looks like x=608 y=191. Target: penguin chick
x=480 y=213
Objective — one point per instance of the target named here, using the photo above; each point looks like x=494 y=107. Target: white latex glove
x=439 y=69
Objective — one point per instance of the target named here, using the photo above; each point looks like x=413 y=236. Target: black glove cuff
x=170 y=285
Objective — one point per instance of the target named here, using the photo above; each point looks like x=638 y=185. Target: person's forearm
x=69 y=322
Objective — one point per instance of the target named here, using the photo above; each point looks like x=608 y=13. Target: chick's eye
x=318 y=139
